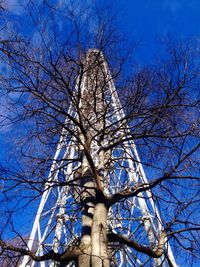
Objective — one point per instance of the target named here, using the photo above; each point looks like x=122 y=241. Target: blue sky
x=147 y=20
x=143 y=21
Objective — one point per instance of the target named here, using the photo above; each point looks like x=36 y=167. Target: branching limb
x=134 y=191
x=71 y=253
x=155 y=253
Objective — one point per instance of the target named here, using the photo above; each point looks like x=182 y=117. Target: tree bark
x=99 y=237
x=88 y=203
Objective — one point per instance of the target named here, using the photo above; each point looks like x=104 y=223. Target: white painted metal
x=143 y=204
x=141 y=174
x=53 y=177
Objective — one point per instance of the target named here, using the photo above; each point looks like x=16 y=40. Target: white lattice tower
x=58 y=219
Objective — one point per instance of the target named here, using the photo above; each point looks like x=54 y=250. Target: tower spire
x=100 y=163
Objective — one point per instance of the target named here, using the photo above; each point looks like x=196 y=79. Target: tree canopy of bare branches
x=157 y=112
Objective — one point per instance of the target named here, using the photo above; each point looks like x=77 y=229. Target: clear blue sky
x=143 y=21
x=146 y=20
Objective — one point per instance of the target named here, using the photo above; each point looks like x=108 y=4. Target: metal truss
x=58 y=219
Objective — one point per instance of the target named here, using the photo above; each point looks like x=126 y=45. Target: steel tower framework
x=58 y=219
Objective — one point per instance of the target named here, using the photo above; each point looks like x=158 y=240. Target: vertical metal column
x=143 y=205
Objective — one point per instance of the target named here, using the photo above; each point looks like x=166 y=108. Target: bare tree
x=159 y=113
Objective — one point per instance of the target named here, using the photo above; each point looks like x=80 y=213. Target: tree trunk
x=99 y=237
x=88 y=204
x=95 y=245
